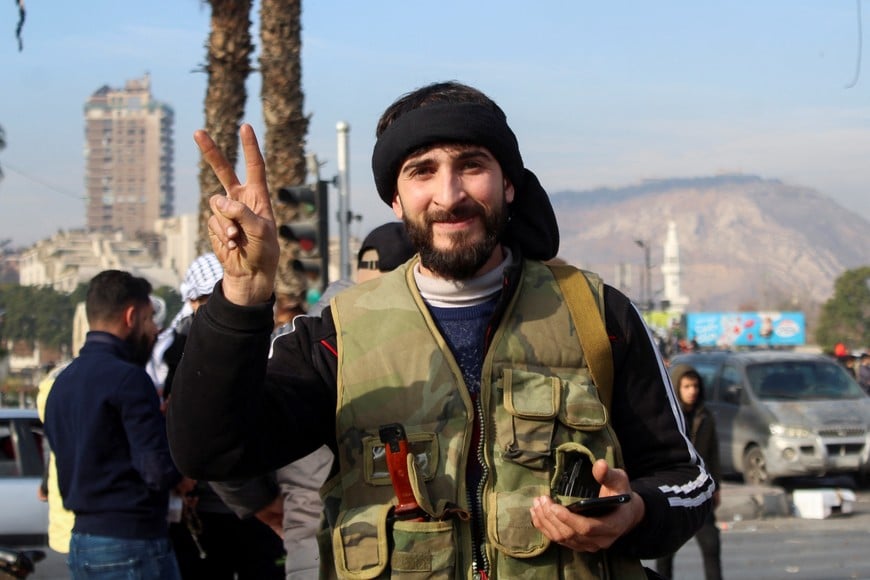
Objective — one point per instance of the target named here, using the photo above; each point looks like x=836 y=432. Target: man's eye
x=421 y=171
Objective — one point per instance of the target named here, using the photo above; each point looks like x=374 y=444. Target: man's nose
x=450 y=189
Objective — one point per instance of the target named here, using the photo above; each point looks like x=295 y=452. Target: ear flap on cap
x=533 y=225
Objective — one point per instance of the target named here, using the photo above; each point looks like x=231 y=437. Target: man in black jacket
x=105 y=427
x=457 y=344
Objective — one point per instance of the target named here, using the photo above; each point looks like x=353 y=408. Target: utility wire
x=43 y=183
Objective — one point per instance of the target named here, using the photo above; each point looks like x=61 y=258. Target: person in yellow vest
x=476 y=399
x=60 y=519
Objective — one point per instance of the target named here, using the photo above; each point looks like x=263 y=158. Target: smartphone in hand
x=578 y=482
x=598 y=506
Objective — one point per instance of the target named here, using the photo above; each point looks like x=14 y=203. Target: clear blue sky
x=598 y=93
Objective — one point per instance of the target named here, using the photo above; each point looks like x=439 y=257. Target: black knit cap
x=532 y=226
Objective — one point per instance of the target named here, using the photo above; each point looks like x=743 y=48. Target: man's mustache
x=455 y=214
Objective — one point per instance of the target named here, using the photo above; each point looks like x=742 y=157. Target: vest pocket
x=509 y=524
x=359 y=542
x=423 y=550
x=581 y=408
x=566 y=455
x=531 y=402
x=368 y=544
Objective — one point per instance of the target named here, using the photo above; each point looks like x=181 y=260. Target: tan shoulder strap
x=588 y=316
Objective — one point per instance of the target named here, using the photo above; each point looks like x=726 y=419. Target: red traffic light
x=302 y=233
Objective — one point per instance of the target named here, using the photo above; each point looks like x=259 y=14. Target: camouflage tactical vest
x=537 y=402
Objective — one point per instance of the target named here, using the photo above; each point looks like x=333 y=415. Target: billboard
x=729 y=329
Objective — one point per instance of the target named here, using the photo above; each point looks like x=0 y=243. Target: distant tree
x=37 y=314
x=229 y=63
x=845 y=317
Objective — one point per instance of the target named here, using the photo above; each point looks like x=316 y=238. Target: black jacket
x=234 y=413
x=104 y=424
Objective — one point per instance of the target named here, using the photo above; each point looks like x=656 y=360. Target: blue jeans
x=104 y=558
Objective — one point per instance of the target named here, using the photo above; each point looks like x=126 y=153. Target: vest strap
x=589 y=320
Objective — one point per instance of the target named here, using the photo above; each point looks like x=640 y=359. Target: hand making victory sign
x=242 y=226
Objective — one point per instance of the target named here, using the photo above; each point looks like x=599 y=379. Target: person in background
x=60 y=519
x=209 y=540
x=850 y=363
x=384 y=249
x=701 y=426
x=864 y=372
x=103 y=422
x=288 y=500
x=471 y=348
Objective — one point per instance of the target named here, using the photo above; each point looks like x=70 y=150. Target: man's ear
x=509 y=191
x=397 y=206
x=130 y=313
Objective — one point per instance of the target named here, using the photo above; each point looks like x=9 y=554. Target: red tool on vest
x=396 y=446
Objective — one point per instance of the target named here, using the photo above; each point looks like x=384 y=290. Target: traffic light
x=309 y=229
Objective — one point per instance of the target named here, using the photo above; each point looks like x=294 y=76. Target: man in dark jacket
x=104 y=424
x=701 y=428
x=470 y=345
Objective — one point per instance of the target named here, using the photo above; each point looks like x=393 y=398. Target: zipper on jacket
x=479 y=561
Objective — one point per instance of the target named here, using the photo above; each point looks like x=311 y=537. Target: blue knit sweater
x=103 y=421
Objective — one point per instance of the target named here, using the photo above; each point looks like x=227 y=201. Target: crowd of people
x=858 y=365
x=230 y=529
x=421 y=422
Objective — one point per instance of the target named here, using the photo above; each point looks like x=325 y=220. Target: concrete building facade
x=129 y=179
x=73 y=257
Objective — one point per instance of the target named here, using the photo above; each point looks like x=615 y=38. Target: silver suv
x=782 y=414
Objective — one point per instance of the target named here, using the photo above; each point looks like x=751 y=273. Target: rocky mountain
x=745 y=242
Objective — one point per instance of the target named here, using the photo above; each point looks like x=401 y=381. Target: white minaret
x=671 y=271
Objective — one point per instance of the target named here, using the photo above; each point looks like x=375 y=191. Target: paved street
x=779 y=548
x=770 y=548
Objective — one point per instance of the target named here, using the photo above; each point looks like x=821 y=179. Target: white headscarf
x=201 y=277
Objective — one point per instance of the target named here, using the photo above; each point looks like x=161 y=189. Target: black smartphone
x=577 y=481
x=598 y=506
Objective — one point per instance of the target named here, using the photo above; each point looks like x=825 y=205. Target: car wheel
x=755 y=467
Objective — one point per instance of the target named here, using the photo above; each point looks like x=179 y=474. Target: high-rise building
x=129 y=159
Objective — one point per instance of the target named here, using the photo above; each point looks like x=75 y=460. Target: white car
x=23 y=518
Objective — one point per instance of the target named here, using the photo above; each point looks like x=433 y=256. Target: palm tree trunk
x=286 y=124
x=229 y=63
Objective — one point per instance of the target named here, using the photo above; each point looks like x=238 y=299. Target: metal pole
x=644 y=277
x=343 y=130
x=649 y=292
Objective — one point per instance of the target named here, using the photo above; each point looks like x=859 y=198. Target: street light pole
x=344 y=213
x=646 y=282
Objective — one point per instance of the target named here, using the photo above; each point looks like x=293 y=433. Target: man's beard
x=465 y=256
x=139 y=345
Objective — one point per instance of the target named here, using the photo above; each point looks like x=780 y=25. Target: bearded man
x=502 y=372
x=104 y=424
